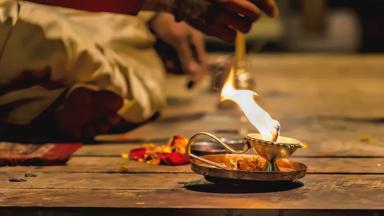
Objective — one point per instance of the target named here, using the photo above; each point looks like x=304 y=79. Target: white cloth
x=45 y=51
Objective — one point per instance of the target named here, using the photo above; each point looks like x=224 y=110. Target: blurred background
x=332 y=26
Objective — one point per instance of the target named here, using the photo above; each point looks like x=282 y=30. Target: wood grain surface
x=333 y=103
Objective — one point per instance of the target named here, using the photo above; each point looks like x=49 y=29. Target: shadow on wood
x=228 y=186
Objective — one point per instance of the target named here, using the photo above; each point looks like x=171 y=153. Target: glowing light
x=260 y=119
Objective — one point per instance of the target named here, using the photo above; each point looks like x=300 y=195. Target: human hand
x=224 y=17
x=220 y=18
x=185 y=40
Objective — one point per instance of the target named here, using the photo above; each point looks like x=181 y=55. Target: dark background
x=333 y=26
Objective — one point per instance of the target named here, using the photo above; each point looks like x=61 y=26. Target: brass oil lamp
x=272 y=150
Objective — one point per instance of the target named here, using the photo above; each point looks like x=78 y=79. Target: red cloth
x=131 y=7
x=12 y=154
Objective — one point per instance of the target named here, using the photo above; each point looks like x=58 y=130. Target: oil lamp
x=281 y=148
x=268 y=144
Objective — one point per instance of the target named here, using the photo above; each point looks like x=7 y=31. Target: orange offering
x=173 y=153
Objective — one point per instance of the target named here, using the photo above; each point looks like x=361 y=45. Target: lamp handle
x=217 y=140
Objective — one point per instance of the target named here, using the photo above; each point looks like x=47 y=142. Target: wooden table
x=332 y=103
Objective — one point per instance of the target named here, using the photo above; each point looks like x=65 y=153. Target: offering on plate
x=173 y=153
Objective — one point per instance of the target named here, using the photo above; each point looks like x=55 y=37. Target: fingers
x=189 y=47
x=185 y=54
x=226 y=33
x=200 y=53
x=188 y=60
x=236 y=22
x=244 y=7
x=224 y=26
x=224 y=17
x=251 y=9
x=268 y=6
x=223 y=22
x=198 y=42
x=221 y=31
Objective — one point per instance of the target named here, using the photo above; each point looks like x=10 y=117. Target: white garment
x=41 y=45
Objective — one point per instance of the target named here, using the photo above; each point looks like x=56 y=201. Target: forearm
x=131 y=7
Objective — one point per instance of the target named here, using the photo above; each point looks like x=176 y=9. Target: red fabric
x=131 y=7
x=174 y=159
x=12 y=154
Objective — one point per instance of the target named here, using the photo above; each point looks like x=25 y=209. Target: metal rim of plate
x=210 y=147
x=297 y=170
x=293 y=144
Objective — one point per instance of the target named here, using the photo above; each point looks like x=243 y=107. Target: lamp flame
x=260 y=119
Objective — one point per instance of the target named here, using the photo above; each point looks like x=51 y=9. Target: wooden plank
x=95 y=181
x=99 y=165
x=336 y=138
x=108 y=150
x=130 y=211
x=58 y=211
x=343 y=165
x=341 y=192
x=119 y=165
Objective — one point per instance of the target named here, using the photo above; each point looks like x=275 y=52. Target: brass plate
x=210 y=147
x=289 y=170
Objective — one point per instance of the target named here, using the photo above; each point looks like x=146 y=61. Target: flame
x=260 y=119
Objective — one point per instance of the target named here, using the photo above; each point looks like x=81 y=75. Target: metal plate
x=290 y=170
x=205 y=147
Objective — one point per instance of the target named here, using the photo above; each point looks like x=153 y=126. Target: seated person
x=76 y=73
